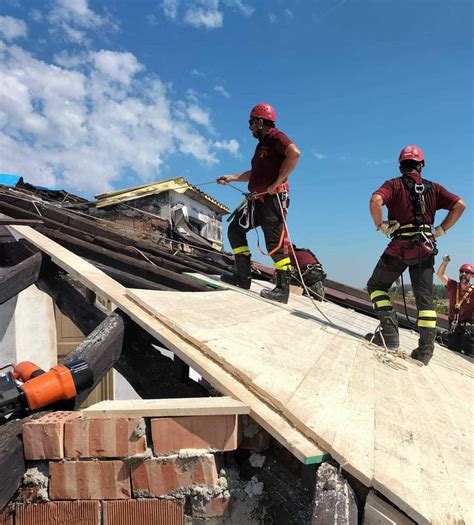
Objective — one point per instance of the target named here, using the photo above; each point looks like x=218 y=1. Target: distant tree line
x=440 y=295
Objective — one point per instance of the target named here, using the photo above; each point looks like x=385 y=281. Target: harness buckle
x=419 y=188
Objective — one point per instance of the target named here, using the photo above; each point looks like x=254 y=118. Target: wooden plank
x=198 y=406
x=305 y=449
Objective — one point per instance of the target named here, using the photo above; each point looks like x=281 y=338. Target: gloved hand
x=446 y=259
x=438 y=231
x=388 y=227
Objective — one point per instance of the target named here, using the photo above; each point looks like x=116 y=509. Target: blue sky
x=101 y=95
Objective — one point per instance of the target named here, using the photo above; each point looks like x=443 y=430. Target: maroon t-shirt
x=267 y=160
x=466 y=311
x=400 y=208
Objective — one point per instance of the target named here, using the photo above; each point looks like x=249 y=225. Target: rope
x=298 y=266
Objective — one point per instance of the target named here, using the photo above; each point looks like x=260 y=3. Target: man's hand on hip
x=388 y=227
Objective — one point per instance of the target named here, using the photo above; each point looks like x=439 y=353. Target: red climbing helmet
x=411 y=153
x=265 y=111
x=466 y=268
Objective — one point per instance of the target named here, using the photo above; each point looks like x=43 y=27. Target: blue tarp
x=7 y=179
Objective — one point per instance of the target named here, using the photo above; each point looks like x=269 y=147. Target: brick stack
x=101 y=470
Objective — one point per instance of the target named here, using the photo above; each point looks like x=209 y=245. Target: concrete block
x=171 y=434
x=70 y=480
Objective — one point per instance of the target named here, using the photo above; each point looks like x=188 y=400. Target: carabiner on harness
x=419 y=190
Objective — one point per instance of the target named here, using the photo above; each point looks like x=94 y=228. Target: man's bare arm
x=236 y=177
x=292 y=154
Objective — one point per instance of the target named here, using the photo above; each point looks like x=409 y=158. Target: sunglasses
x=467 y=272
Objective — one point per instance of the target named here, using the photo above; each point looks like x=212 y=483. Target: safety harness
x=417 y=229
x=458 y=304
x=247 y=218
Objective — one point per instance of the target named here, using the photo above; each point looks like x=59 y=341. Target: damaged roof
x=178 y=184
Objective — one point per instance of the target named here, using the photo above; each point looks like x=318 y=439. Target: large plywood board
x=396 y=426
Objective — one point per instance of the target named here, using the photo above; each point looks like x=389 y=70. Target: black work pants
x=266 y=214
x=389 y=269
x=462 y=339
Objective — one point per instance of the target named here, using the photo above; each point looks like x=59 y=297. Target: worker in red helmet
x=274 y=159
x=461 y=308
x=412 y=203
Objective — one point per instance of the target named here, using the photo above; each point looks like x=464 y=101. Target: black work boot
x=388 y=328
x=241 y=278
x=281 y=291
x=425 y=349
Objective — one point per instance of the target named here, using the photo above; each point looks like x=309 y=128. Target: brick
x=44 y=437
x=258 y=443
x=104 y=437
x=157 y=477
x=89 y=480
x=59 y=513
x=171 y=434
x=215 y=507
x=6 y=516
x=144 y=512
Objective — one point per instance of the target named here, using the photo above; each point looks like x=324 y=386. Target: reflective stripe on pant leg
x=241 y=250
x=283 y=264
x=380 y=300
x=427 y=319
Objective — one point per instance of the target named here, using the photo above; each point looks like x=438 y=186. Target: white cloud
x=238 y=4
x=289 y=14
x=120 y=67
x=199 y=115
x=11 y=28
x=232 y=146
x=208 y=18
x=319 y=156
x=222 y=91
x=208 y=14
x=36 y=15
x=197 y=73
x=272 y=17
x=170 y=8
x=81 y=122
x=73 y=18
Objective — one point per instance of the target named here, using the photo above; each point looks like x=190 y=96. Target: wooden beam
x=101 y=349
x=201 y=406
x=123 y=262
x=16 y=278
x=19 y=222
x=12 y=462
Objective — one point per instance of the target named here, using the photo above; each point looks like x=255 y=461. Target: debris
x=257 y=460
x=334 y=500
